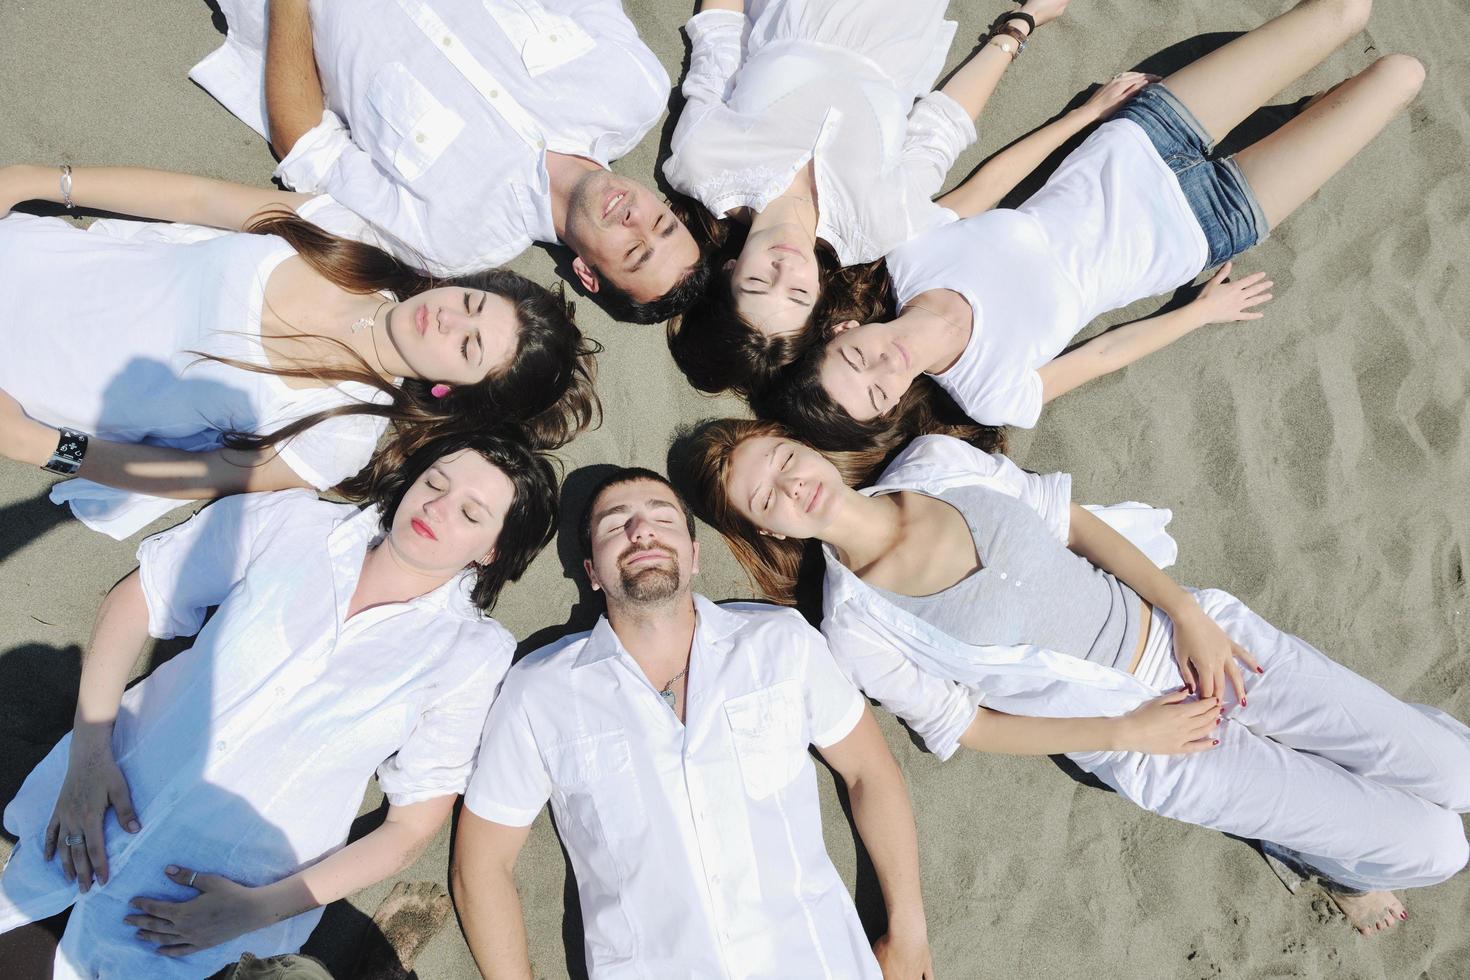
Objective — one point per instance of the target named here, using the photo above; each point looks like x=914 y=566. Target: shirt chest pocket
x=597 y=781
x=767 y=727
x=418 y=128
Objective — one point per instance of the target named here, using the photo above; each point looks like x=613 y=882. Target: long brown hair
x=719 y=350
x=797 y=399
x=774 y=565
x=546 y=390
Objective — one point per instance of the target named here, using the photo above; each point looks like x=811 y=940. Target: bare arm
x=1207 y=657
x=1218 y=302
x=987 y=186
x=159 y=194
x=1166 y=725
x=482 y=880
x=93 y=780
x=224 y=909
x=293 y=90
x=155 y=470
x=885 y=822
x=736 y=5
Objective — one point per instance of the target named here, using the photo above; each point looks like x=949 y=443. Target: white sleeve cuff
x=305 y=168
x=844 y=727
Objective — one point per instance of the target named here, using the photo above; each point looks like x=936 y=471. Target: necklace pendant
x=362 y=324
x=669 y=697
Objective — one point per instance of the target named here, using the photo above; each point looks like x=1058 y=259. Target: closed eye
x=470 y=517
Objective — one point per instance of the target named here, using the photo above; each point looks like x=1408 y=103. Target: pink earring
x=439 y=390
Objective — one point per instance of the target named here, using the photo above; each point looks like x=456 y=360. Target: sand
x=1315 y=462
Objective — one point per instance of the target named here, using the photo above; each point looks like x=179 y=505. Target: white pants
x=1366 y=788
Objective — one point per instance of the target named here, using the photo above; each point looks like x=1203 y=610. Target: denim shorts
x=1217 y=192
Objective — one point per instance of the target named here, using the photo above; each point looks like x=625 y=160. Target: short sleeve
x=939 y=130
x=329 y=214
x=833 y=705
x=333 y=449
x=936 y=708
x=510 y=783
x=193 y=566
x=439 y=754
x=999 y=394
x=698 y=147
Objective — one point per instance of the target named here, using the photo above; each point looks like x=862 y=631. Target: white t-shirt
x=103 y=332
x=697 y=847
x=1110 y=227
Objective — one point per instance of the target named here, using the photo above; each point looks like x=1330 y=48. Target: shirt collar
x=711 y=624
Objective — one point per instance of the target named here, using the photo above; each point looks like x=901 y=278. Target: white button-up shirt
x=751 y=121
x=933 y=681
x=697 y=847
x=452 y=107
x=247 y=755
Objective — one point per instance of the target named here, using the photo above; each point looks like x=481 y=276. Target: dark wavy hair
x=798 y=401
x=684 y=293
x=530 y=522
x=547 y=388
x=719 y=350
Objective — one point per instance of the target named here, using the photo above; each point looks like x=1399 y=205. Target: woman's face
x=452 y=514
x=866 y=369
x=783 y=487
x=453 y=334
x=775 y=282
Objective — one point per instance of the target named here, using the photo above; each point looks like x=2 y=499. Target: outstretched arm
x=1219 y=302
x=293 y=90
x=482 y=880
x=159 y=194
x=141 y=468
x=224 y=909
x=989 y=185
x=885 y=822
x=1167 y=725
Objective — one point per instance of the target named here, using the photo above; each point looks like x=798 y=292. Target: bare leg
x=1289 y=166
x=1228 y=84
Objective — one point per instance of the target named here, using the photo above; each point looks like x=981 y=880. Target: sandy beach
x=1316 y=463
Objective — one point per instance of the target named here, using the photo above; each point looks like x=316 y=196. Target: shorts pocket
x=770 y=744
x=419 y=129
x=598 y=784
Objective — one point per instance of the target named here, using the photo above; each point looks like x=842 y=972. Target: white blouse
x=827 y=81
x=697 y=847
x=452 y=106
x=120 y=358
x=247 y=755
x=933 y=681
x=1111 y=226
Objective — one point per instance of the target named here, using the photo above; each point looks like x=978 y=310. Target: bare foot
x=1371 y=912
x=411 y=915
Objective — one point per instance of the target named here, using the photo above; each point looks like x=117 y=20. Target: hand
x=1221 y=301
x=1170 y=725
x=1044 y=11
x=1207 y=657
x=904 y=957
x=93 y=783
x=222 y=910
x=1111 y=95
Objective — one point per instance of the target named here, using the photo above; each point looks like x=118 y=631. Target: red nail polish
x=1260 y=670
x=1404 y=915
x=1242 y=702
x=1215 y=742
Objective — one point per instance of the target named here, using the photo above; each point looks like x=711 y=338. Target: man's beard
x=651 y=584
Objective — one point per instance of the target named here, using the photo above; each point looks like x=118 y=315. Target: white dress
x=1110 y=227
x=247 y=755
x=828 y=81
x=104 y=334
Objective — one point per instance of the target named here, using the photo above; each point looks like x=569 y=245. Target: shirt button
x=552 y=39
x=220 y=745
x=419 y=137
x=495 y=93
x=1002 y=576
x=448 y=41
x=280 y=690
x=540 y=144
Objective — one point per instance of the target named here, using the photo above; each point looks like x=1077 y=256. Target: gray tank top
x=1030 y=588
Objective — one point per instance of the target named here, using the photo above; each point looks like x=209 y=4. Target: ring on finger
x=192 y=876
x=72 y=840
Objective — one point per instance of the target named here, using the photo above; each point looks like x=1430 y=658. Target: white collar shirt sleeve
x=441 y=113
x=933 y=681
x=696 y=848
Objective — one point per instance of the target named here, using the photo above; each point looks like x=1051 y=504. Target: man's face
x=642 y=552
x=624 y=233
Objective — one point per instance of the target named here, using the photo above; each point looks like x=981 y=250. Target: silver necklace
x=365 y=322
x=668 y=691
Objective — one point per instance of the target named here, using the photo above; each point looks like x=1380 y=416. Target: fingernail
x=132 y=826
x=1215 y=742
x=1404 y=915
x=172 y=869
x=1260 y=670
x=1242 y=702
